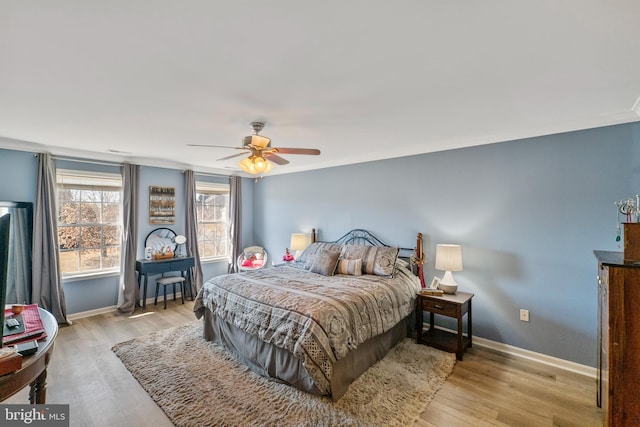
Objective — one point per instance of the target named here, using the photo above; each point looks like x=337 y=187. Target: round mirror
x=160 y=239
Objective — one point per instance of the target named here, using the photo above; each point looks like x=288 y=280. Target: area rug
x=197 y=383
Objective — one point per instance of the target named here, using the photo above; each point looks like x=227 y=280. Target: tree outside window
x=89 y=221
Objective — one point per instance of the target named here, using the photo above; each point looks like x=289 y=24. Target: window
x=212 y=206
x=89 y=221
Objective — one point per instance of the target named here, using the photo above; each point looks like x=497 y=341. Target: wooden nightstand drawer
x=440 y=307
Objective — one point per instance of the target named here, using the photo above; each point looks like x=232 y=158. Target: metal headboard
x=359 y=236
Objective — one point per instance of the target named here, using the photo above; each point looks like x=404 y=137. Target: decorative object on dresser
x=618 y=375
x=214 y=388
x=455 y=306
x=448 y=259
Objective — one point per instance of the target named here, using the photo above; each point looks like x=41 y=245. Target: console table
x=34 y=367
x=150 y=267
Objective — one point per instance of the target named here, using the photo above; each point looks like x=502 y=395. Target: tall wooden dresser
x=618 y=385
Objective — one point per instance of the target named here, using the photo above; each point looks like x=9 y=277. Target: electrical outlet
x=524 y=315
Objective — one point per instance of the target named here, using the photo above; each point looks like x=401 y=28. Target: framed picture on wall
x=162 y=205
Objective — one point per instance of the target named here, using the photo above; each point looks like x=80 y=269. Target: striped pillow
x=352 y=267
x=378 y=260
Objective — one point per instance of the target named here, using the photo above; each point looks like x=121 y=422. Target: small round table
x=34 y=367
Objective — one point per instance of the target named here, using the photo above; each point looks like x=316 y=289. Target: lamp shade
x=299 y=242
x=449 y=257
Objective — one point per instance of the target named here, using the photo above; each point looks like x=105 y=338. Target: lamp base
x=447 y=284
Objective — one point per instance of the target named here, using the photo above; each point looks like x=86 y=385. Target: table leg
x=144 y=294
x=38 y=390
x=190 y=280
x=419 y=325
x=460 y=349
x=469 y=325
x=138 y=302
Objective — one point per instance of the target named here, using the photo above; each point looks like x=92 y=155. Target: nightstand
x=455 y=306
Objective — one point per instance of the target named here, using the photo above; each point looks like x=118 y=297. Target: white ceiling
x=360 y=80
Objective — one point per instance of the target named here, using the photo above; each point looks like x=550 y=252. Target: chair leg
x=174 y=291
x=165 y=297
x=155 y=301
x=182 y=291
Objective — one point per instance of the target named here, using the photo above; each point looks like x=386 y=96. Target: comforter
x=317 y=318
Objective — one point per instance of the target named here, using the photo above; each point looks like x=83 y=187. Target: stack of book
x=430 y=291
x=31 y=327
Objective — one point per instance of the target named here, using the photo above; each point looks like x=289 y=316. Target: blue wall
x=18 y=170
x=528 y=214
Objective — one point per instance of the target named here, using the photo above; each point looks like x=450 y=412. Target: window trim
x=218 y=188
x=76 y=182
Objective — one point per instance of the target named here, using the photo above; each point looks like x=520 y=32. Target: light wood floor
x=486 y=389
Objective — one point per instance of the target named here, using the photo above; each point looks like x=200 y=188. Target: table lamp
x=299 y=243
x=448 y=259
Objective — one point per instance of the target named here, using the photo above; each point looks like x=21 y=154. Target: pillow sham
x=352 y=267
x=378 y=260
x=323 y=262
x=316 y=247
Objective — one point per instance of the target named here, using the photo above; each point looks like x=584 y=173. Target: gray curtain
x=129 y=292
x=235 y=222
x=47 y=290
x=191 y=233
x=19 y=272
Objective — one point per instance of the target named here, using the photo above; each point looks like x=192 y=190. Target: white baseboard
x=112 y=308
x=566 y=365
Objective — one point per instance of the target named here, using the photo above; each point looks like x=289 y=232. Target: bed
x=319 y=322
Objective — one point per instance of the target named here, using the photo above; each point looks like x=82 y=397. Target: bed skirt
x=277 y=363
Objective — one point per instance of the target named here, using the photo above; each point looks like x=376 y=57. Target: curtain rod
x=78 y=160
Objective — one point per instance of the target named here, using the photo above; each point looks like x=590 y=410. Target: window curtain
x=235 y=222
x=191 y=233
x=47 y=290
x=129 y=293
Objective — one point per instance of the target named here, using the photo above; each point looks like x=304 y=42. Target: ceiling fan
x=262 y=155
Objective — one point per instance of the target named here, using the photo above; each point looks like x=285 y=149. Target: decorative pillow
x=378 y=260
x=315 y=247
x=402 y=263
x=323 y=262
x=352 y=267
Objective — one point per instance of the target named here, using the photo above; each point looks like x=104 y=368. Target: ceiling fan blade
x=214 y=146
x=276 y=159
x=232 y=156
x=308 y=151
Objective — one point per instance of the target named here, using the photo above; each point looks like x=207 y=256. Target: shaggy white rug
x=197 y=383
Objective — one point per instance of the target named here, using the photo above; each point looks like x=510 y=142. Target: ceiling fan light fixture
x=247 y=165
x=256 y=165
